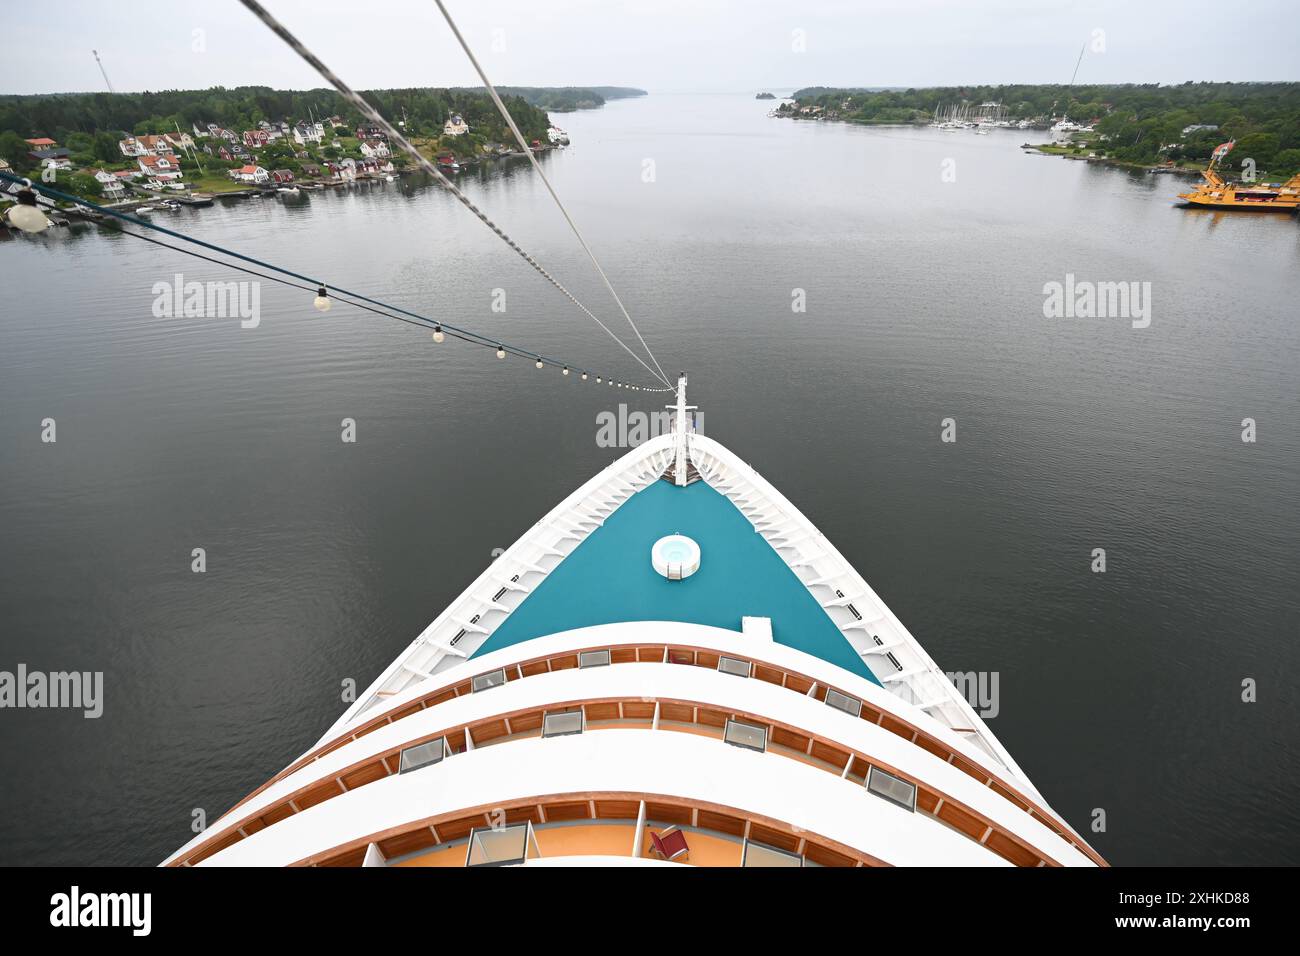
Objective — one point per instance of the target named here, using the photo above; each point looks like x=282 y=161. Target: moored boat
x=1218 y=193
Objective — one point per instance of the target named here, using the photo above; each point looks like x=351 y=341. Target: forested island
x=1132 y=123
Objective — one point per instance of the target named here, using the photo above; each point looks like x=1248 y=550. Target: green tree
x=14 y=150
x=81 y=184
x=106 y=148
x=1261 y=147
x=1286 y=161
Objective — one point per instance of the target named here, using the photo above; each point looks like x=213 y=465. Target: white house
x=344 y=171
x=179 y=140
x=250 y=174
x=164 y=166
x=305 y=133
x=110 y=186
x=455 y=126
x=375 y=149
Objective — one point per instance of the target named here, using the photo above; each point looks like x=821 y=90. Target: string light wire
x=304 y=283
x=532 y=158
x=375 y=117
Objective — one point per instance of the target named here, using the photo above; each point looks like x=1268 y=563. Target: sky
x=658 y=45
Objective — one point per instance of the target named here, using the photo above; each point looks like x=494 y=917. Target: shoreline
x=1042 y=149
x=1066 y=152
x=204 y=198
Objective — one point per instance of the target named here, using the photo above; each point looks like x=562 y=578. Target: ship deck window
x=502 y=846
x=562 y=723
x=758 y=854
x=421 y=755
x=850 y=705
x=593 y=659
x=733 y=665
x=894 y=789
x=745 y=735
x=489 y=680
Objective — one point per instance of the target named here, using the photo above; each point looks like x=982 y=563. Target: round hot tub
x=675 y=557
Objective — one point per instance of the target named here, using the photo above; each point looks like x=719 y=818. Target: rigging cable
x=519 y=138
x=375 y=117
x=345 y=296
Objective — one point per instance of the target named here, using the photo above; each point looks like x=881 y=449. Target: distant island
x=567 y=99
x=1139 y=124
x=765 y=96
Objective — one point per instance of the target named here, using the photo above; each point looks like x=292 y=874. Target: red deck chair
x=670 y=844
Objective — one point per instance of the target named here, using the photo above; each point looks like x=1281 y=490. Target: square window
x=745 y=735
x=422 y=755
x=489 y=680
x=734 y=666
x=562 y=723
x=593 y=659
x=850 y=705
x=894 y=789
x=759 y=854
x=502 y=846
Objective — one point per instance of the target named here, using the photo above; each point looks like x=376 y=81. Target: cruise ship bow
x=673 y=666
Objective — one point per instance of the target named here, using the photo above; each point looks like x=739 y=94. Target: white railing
x=888 y=650
x=471 y=619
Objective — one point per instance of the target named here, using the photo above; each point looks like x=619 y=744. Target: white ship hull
x=695 y=743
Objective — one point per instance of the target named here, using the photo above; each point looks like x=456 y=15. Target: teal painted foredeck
x=609 y=579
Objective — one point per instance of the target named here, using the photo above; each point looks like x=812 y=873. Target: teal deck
x=609 y=579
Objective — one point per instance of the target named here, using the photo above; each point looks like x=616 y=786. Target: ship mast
x=680 y=431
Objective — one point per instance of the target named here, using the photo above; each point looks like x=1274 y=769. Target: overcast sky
x=660 y=45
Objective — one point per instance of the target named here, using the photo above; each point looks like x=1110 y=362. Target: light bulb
x=322 y=300
x=584 y=376
x=566 y=370
x=501 y=353
x=539 y=363
x=437 y=333
x=597 y=379
x=25 y=216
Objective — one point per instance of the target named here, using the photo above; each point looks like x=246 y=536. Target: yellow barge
x=1218 y=193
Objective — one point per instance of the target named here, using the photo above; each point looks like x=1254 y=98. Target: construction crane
x=107 y=81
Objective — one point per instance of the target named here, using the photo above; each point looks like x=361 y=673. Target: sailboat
x=672 y=667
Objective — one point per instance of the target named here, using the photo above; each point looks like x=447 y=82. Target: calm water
x=1119 y=691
